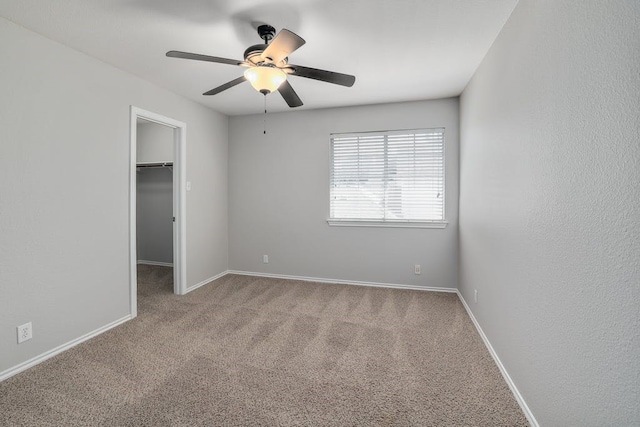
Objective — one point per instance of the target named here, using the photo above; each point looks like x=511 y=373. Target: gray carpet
x=256 y=351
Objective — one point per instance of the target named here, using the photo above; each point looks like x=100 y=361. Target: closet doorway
x=157 y=221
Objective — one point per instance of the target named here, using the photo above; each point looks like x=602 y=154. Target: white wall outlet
x=25 y=332
x=475 y=296
x=265 y=259
x=417 y=269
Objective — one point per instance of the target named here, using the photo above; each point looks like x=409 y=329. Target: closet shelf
x=154 y=164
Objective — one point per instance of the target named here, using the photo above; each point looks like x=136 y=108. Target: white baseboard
x=204 y=282
x=343 y=282
x=503 y=371
x=161 y=264
x=64 y=347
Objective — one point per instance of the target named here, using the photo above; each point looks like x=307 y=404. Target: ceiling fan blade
x=322 y=75
x=289 y=95
x=282 y=45
x=198 y=57
x=225 y=86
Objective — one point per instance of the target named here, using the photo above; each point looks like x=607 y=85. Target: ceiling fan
x=268 y=67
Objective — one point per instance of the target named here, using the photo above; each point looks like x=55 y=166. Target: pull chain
x=264 y=121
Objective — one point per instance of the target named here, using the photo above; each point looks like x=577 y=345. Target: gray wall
x=154 y=215
x=550 y=207
x=279 y=199
x=64 y=190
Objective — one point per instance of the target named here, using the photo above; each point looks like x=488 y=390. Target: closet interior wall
x=154 y=184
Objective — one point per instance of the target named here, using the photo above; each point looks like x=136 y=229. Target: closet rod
x=154 y=165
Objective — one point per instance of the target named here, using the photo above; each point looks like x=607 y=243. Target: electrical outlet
x=475 y=296
x=24 y=332
x=265 y=259
x=417 y=268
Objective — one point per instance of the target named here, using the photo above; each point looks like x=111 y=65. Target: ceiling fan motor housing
x=253 y=54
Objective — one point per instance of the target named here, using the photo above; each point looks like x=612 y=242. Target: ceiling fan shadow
x=280 y=15
x=193 y=11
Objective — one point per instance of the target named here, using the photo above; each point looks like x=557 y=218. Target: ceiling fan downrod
x=266 y=32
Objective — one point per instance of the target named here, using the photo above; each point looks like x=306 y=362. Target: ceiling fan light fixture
x=265 y=79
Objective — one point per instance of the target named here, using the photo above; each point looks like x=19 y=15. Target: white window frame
x=354 y=222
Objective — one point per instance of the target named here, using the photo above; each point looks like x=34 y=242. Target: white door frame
x=179 y=203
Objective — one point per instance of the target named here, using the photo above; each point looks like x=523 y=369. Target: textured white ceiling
x=399 y=50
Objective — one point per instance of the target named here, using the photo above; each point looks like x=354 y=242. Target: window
x=391 y=178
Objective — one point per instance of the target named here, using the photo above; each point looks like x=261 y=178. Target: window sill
x=387 y=224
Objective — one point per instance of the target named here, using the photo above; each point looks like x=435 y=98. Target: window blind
x=393 y=176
